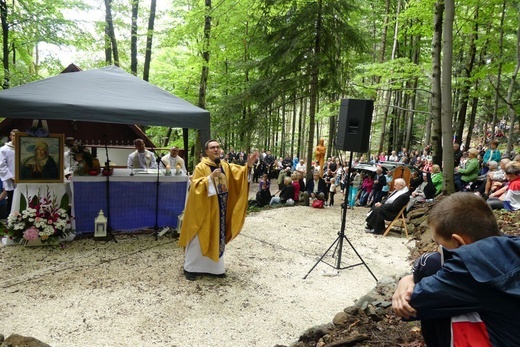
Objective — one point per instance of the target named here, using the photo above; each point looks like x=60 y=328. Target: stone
x=374 y=313
x=22 y=341
x=340 y=318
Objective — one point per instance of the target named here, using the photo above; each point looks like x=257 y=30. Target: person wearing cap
x=468 y=174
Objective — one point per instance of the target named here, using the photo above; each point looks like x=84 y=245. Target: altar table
x=132 y=200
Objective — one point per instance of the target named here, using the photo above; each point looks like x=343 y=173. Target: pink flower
x=31 y=233
x=50 y=221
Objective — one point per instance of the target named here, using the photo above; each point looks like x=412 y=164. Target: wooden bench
x=399 y=218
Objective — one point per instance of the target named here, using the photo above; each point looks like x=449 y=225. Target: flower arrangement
x=40 y=218
x=37 y=132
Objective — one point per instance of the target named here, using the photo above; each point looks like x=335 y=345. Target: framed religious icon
x=39 y=159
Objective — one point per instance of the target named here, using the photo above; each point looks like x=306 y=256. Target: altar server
x=141 y=158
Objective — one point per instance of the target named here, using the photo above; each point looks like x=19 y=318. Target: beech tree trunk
x=5 y=43
x=149 y=39
x=110 y=31
x=509 y=99
x=446 y=114
x=499 y=72
x=436 y=100
x=313 y=96
x=133 y=37
x=464 y=97
x=203 y=86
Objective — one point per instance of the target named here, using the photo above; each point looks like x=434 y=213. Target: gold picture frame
x=39 y=159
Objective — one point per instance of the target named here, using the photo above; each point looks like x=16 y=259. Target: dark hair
x=463 y=214
x=208 y=142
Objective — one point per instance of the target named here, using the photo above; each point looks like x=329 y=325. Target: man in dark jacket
x=377 y=188
x=316 y=189
x=389 y=209
x=478 y=285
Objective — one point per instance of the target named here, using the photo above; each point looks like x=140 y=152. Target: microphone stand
x=107 y=187
x=156 y=227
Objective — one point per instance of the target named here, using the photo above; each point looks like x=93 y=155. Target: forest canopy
x=273 y=73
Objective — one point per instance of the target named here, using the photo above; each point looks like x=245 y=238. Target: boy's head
x=462 y=218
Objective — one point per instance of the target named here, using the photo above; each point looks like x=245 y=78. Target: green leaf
x=64 y=204
x=23 y=202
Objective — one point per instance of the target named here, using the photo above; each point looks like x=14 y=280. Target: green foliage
x=263 y=53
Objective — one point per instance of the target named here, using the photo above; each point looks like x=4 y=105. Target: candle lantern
x=100 y=226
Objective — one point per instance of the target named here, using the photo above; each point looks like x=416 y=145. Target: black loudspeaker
x=355 y=120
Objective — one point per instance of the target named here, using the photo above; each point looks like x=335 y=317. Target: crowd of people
x=480 y=170
x=466 y=294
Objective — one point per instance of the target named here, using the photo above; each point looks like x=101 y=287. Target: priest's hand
x=252 y=159
x=216 y=173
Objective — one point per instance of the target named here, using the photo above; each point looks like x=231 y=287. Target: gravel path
x=133 y=292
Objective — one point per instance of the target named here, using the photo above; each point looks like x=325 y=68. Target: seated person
x=301 y=167
x=510 y=199
x=296 y=185
x=415 y=180
x=477 y=279
x=366 y=188
x=286 y=194
x=437 y=178
x=264 y=182
x=495 y=177
x=426 y=190
x=303 y=188
x=388 y=209
x=469 y=173
x=141 y=158
x=491 y=154
x=281 y=176
x=316 y=189
x=173 y=159
x=263 y=196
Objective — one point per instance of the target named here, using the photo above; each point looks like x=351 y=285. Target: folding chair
x=400 y=217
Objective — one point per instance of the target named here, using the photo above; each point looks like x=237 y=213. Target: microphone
x=217 y=161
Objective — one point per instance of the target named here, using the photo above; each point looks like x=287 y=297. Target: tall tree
x=203 y=86
x=133 y=37
x=446 y=116
x=111 y=32
x=436 y=100
x=5 y=43
x=513 y=114
x=149 y=39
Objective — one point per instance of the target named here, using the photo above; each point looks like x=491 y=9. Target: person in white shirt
x=141 y=158
x=68 y=157
x=173 y=159
x=301 y=167
x=7 y=169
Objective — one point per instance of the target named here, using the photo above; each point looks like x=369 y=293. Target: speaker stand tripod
x=338 y=243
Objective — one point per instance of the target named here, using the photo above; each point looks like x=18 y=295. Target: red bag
x=318 y=203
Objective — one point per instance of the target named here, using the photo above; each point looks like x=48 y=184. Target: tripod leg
x=351 y=246
x=321 y=258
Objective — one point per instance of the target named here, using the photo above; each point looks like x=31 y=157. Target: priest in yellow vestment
x=215 y=212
